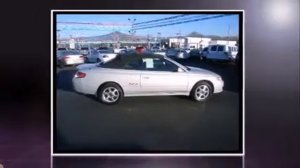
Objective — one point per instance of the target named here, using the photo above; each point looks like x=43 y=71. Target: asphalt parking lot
x=149 y=124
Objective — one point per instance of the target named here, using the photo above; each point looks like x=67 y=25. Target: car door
x=220 y=54
x=130 y=77
x=212 y=53
x=161 y=76
x=233 y=51
x=92 y=56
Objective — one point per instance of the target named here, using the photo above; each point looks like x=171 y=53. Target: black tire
x=86 y=60
x=104 y=88
x=61 y=64
x=194 y=96
x=202 y=58
x=98 y=60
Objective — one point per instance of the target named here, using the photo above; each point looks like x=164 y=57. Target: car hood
x=86 y=66
x=201 y=71
x=111 y=54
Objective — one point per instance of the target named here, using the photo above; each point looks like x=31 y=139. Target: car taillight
x=80 y=75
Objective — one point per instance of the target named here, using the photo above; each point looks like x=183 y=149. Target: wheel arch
x=207 y=81
x=104 y=83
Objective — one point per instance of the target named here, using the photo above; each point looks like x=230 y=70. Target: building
x=197 y=42
x=189 y=42
x=177 y=42
x=223 y=42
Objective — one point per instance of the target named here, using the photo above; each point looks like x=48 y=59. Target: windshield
x=73 y=52
x=106 y=51
x=187 y=68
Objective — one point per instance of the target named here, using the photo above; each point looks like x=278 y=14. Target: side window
x=221 y=48
x=169 y=66
x=213 y=48
x=135 y=64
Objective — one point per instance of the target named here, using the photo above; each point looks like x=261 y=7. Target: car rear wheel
x=61 y=64
x=201 y=91
x=110 y=93
x=86 y=60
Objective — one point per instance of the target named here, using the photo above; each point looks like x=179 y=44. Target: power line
x=94 y=23
x=181 y=22
x=167 y=18
x=171 y=21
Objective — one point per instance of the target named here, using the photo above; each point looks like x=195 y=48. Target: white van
x=220 y=52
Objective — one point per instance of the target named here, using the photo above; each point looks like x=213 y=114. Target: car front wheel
x=201 y=91
x=110 y=93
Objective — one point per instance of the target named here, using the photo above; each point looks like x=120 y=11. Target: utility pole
x=58 y=38
x=131 y=31
x=159 y=39
x=228 y=34
x=178 y=38
x=115 y=38
x=148 y=40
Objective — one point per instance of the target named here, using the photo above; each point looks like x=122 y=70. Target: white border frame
x=148 y=154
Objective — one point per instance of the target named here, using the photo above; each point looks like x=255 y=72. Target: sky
x=222 y=26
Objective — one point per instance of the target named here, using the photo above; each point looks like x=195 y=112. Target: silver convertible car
x=144 y=75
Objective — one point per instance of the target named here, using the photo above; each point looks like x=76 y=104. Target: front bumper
x=218 y=86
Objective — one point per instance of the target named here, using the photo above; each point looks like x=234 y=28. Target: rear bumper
x=71 y=62
x=77 y=85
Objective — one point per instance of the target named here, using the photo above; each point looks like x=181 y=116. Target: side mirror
x=180 y=70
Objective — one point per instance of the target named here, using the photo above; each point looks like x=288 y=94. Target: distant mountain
x=114 y=36
x=118 y=36
x=213 y=37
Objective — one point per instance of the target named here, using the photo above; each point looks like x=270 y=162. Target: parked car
x=68 y=57
x=144 y=75
x=118 y=50
x=127 y=51
x=203 y=53
x=85 y=50
x=220 y=52
x=102 y=55
x=237 y=59
x=159 y=52
x=171 y=52
x=188 y=50
x=177 y=53
x=61 y=48
x=194 y=53
x=102 y=48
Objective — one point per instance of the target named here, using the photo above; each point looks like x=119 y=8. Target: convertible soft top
x=122 y=59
